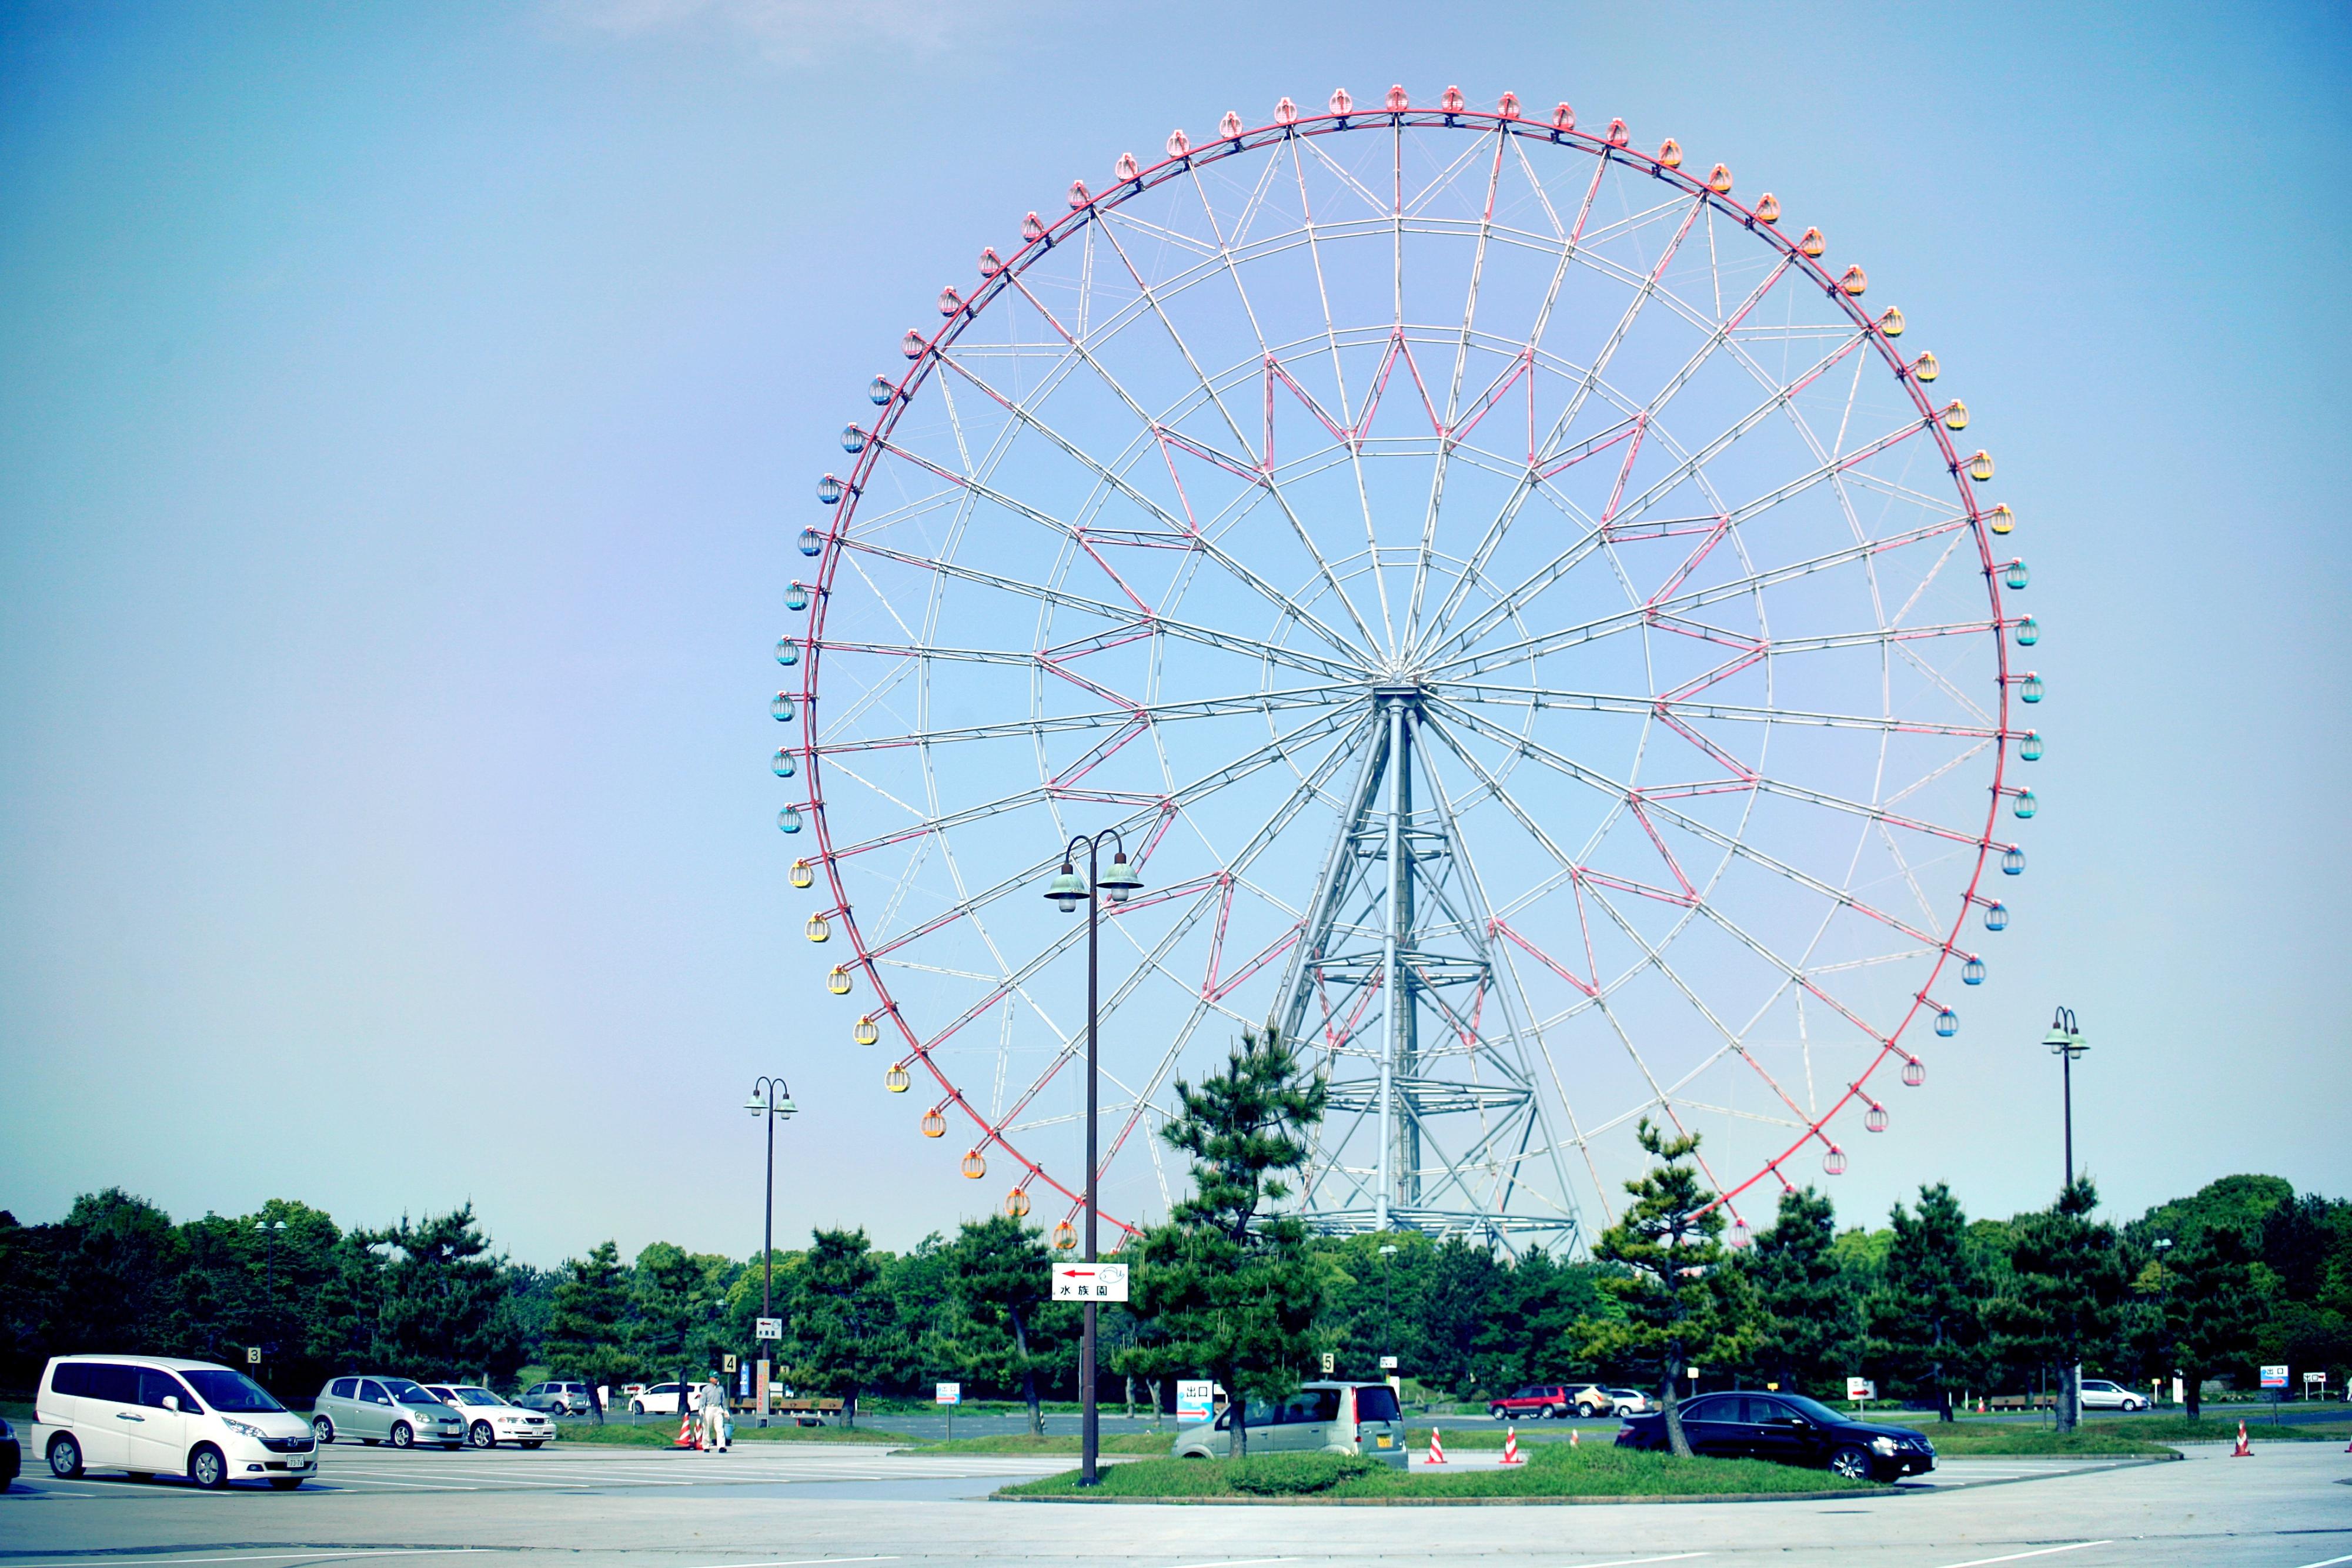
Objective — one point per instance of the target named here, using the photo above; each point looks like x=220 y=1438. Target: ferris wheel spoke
x=1452 y=421
x=1539 y=697
x=1133 y=714
x=1120 y=617
x=1347 y=429
x=1473 y=660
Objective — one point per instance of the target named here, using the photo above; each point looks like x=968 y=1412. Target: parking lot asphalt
x=2287 y=1508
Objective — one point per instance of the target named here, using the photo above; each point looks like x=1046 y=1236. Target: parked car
x=1790 y=1429
x=490 y=1420
x=151 y=1416
x=1327 y=1417
x=12 y=1455
x=1535 y=1402
x=661 y=1399
x=2098 y=1393
x=380 y=1409
x=560 y=1397
x=1624 y=1402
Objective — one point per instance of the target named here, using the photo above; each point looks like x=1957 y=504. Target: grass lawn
x=661 y=1434
x=1053 y=1443
x=1551 y=1471
x=2114 y=1435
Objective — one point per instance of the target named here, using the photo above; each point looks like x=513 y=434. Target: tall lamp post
x=269 y=1229
x=772 y=1102
x=1067 y=889
x=2066 y=1043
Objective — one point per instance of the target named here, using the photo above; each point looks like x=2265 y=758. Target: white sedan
x=490 y=1420
x=661 y=1399
x=2098 y=1393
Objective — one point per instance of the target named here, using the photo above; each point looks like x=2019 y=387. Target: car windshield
x=230 y=1392
x=409 y=1393
x=1811 y=1409
x=469 y=1395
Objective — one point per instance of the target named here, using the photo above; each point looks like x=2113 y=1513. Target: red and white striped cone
x=1436 y=1448
x=687 y=1438
x=1574 y=1436
x=1510 y=1445
x=2245 y=1448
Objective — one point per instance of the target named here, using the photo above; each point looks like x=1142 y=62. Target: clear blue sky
x=405 y=410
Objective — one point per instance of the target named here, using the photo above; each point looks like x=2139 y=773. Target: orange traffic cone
x=2245 y=1448
x=1436 y=1448
x=1573 y=1437
x=1510 y=1445
x=687 y=1438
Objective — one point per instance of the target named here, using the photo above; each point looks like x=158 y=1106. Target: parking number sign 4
x=1089 y=1282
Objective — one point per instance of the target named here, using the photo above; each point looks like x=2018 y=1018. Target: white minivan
x=154 y=1415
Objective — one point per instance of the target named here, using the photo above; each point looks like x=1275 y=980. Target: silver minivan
x=1321 y=1417
x=384 y=1410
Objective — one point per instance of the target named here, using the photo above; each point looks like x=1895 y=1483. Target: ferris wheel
x=1530 y=622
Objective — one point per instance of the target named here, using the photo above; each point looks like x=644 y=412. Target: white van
x=153 y=1416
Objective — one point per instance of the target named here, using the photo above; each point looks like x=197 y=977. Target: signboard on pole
x=1330 y=1363
x=253 y=1355
x=727 y=1363
x=2311 y=1379
x=1861 y=1388
x=770 y=1328
x=1089 y=1282
x=948 y=1393
x=1195 y=1399
x=2274 y=1377
x=1387 y=1363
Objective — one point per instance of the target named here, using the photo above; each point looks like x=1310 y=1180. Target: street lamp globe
x=1120 y=880
x=1066 y=888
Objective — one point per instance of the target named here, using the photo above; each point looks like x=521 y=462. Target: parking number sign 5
x=1089 y=1282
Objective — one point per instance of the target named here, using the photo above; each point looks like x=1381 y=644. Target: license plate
x=1382 y=1442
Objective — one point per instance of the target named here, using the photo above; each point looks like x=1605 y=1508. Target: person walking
x=714 y=1414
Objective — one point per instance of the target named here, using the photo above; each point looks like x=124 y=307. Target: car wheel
x=1495 y=1413
x=285 y=1483
x=401 y=1435
x=637 y=1406
x=65 y=1457
x=480 y=1436
x=208 y=1468
x=1851 y=1463
x=322 y=1430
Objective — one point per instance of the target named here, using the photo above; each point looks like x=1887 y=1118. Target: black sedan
x=1790 y=1429
x=12 y=1455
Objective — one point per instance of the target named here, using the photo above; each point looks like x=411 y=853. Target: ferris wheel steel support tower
x=1400 y=927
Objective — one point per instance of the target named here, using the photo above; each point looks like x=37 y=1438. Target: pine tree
x=1927 y=1318
x=440 y=1315
x=1235 y=1289
x=587 y=1332
x=2212 y=1305
x=845 y=1335
x=1008 y=1328
x=1682 y=1301
x=2069 y=1278
x=1813 y=1312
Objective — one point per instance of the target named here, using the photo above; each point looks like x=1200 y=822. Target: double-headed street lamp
x=772 y=1102
x=269 y=1229
x=1067 y=889
x=2066 y=1043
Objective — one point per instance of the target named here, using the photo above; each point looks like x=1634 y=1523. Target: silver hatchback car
x=381 y=1410
x=1321 y=1417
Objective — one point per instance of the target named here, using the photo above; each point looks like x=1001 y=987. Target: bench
x=2021 y=1402
x=803 y=1412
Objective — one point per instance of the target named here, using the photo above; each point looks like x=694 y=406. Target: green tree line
x=1934 y=1304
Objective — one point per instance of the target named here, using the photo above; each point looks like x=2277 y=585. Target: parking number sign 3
x=1089 y=1282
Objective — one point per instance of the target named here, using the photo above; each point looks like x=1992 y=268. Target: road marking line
x=1238 y=1561
x=2330 y=1563
x=2039 y=1551
x=263 y=1556
x=801 y=1562
x=1629 y=1561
